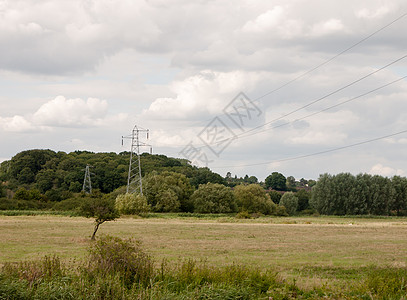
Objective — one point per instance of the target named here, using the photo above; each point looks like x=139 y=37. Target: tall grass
x=120 y=269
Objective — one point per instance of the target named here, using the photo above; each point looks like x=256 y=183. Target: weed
x=33 y=271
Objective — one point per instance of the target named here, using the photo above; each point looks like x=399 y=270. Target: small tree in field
x=102 y=209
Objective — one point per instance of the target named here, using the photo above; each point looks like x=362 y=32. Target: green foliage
x=168 y=192
x=290 y=202
x=387 y=283
x=275 y=196
x=243 y=215
x=213 y=198
x=303 y=199
x=199 y=176
x=234 y=181
x=2 y=190
x=132 y=204
x=253 y=199
x=120 y=269
x=125 y=258
x=364 y=194
x=281 y=211
x=32 y=271
x=102 y=209
x=276 y=181
x=46 y=170
x=70 y=204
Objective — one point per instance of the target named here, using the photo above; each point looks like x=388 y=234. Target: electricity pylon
x=134 y=182
x=87 y=185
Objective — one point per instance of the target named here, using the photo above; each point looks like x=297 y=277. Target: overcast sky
x=249 y=87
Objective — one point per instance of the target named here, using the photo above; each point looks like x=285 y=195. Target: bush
x=124 y=258
x=290 y=202
x=70 y=204
x=243 y=215
x=281 y=211
x=132 y=204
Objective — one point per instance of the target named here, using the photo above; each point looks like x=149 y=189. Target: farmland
x=315 y=251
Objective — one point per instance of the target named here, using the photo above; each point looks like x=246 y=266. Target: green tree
x=132 y=204
x=45 y=179
x=321 y=194
x=291 y=183
x=275 y=196
x=199 y=176
x=399 y=204
x=382 y=193
x=168 y=191
x=253 y=199
x=2 y=190
x=34 y=160
x=290 y=202
x=213 y=198
x=100 y=208
x=276 y=181
x=26 y=175
x=303 y=199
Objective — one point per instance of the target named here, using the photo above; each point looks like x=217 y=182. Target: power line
x=200 y=146
x=322 y=110
x=327 y=108
x=323 y=97
x=316 y=153
x=332 y=58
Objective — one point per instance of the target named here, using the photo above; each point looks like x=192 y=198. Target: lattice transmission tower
x=87 y=184
x=134 y=182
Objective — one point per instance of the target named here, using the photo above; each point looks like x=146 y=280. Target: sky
x=300 y=87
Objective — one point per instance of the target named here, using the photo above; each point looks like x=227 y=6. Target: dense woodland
x=45 y=179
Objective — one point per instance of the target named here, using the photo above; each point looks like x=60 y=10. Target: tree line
x=45 y=179
x=363 y=194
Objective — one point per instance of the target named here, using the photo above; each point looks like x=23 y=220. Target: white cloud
x=327 y=27
x=379 y=169
x=368 y=13
x=171 y=66
x=265 y=21
x=16 y=124
x=201 y=95
x=71 y=112
x=62 y=112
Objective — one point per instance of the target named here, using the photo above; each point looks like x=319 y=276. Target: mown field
x=315 y=251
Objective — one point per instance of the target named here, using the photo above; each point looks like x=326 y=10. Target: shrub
x=243 y=215
x=290 y=202
x=281 y=211
x=70 y=204
x=132 y=204
x=123 y=258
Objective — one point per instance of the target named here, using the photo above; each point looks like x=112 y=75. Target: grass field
x=313 y=250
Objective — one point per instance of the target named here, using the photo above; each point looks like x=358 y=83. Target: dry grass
x=289 y=245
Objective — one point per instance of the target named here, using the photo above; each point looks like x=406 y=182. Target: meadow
x=332 y=253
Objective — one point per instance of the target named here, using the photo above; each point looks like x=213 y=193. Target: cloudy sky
x=301 y=87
